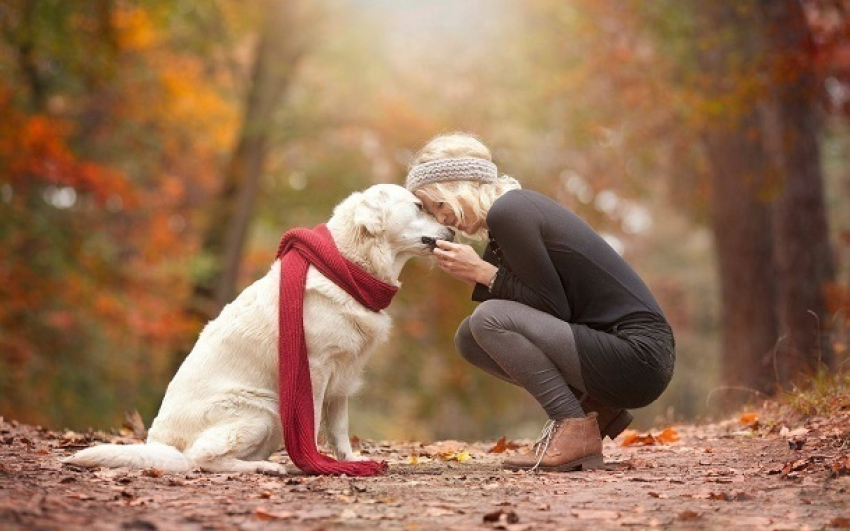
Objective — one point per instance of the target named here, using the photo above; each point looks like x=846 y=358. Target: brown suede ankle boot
x=569 y=444
x=612 y=422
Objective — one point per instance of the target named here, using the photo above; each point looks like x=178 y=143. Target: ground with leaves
x=745 y=472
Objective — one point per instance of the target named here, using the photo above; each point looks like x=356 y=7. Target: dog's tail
x=151 y=455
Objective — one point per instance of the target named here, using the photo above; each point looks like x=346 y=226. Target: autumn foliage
x=100 y=213
x=120 y=165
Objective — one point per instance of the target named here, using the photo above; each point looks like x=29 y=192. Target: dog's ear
x=369 y=214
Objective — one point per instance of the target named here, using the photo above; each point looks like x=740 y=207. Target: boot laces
x=543 y=442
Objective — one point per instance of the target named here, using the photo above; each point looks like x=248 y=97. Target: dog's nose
x=451 y=236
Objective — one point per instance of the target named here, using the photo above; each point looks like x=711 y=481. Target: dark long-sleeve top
x=552 y=260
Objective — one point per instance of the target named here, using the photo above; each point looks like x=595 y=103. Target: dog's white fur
x=220 y=411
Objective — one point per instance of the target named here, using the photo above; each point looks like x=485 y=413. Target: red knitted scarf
x=300 y=248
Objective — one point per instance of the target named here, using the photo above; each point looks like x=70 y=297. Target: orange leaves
x=135 y=31
x=101 y=182
x=633 y=438
x=748 y=419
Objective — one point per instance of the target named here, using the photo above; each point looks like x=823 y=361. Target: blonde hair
x=481 y=195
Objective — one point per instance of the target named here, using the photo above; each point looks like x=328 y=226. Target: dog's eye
x=420 y=206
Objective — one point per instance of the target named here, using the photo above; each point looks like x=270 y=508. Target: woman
x=561 y=315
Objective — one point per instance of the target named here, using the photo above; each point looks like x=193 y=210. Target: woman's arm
x=528 y=274
x=520 y=227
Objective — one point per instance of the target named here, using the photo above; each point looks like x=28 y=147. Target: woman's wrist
x=492 y=281
x=487 y=276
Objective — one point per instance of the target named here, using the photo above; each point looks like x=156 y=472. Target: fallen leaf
x=667 y=436
x=753 y=522
x=416 y=459
x=133 y=422
x=840 y=522
x=840 y=467
x=795 y=466
x=688 y=515
x=264 y=514
x=595 y=514
x=443 y=447
x=796 y=443
x=730 y=496
x=436 y=512
x=501 y=516
x=640 y=464
x=460 y=457
x=633 y=438
x=748 y=418
x=500 y=446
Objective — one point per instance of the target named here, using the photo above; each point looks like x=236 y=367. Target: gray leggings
x=528 y=348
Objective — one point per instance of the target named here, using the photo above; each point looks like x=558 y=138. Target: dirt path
x=719 y=476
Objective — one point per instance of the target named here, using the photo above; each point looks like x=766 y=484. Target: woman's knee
x=488 y=317
x=465 y=342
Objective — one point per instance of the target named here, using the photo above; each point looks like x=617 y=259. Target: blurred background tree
x=152 y=153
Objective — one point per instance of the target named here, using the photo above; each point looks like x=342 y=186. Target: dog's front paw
x=271 y=469
x=352 y=457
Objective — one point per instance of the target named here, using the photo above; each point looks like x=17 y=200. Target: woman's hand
x=462 y=262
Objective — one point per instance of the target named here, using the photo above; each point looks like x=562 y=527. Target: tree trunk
x=274 y=65
x=741 y=221
x=741 y=215
x=802 y=249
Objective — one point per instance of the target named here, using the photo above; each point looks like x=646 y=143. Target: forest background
x=152 y=152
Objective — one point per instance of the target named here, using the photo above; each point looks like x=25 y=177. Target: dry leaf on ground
x=633 y=438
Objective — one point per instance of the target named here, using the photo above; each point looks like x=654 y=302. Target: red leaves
x=35 y=151
x=840 y=466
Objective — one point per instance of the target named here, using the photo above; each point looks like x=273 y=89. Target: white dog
x=220 y=412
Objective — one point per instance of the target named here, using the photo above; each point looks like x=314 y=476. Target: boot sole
x=618 y=425
x=585 y=463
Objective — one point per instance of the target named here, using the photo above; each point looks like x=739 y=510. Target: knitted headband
x=454 y=169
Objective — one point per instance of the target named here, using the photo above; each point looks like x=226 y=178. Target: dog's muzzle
x=431 y=241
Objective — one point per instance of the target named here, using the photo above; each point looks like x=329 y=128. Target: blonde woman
x=561 y=315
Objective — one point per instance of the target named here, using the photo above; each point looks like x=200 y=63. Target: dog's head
x=385 y=223
x=393 y=214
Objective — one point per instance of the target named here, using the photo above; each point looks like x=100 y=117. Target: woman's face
x=470 y=224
